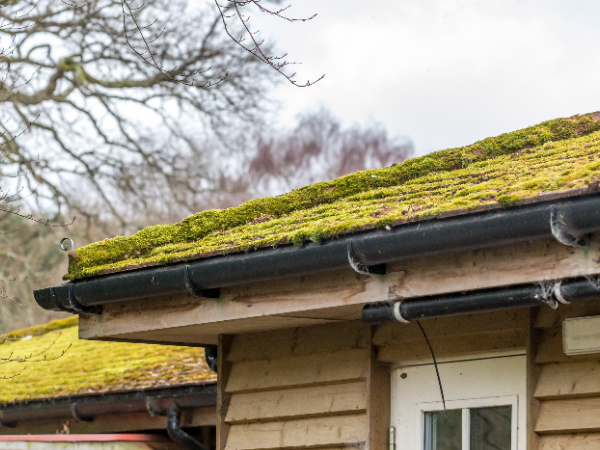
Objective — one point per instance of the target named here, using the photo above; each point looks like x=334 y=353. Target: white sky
x=443 y=73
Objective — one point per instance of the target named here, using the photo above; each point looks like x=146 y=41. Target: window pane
x=443 y=430
x=491 y=428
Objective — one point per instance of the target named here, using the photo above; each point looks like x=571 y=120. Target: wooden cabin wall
x=318 y=386
x=473 y=336
x=568 y=387
x=451 y=337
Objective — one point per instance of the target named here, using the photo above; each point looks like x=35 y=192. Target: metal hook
x=67 y=244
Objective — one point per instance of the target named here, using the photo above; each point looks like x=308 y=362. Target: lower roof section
x=48 y=366
x=49 y=438
x=86 y=408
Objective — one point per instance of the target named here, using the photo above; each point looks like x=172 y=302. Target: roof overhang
x=87 y=407
x=332 y=281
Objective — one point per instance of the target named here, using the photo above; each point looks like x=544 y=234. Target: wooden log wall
x=306 y=387
x=568 y=387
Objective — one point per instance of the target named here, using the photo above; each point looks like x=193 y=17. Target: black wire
x=434 y=363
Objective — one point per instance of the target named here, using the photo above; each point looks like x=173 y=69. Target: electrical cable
x=437 y=372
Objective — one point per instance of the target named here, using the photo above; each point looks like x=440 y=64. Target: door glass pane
x=443 y=430
x=491 y=428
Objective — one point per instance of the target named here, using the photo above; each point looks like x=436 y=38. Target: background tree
x=127 y=114
x=319 y=148
x=95 y=117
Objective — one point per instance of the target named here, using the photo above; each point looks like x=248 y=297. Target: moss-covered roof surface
x=557 y=155
x=49 y=361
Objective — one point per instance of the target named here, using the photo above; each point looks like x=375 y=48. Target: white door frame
x=467 y=384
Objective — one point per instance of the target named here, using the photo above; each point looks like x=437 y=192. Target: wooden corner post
x=224 y=368
x=379 y=398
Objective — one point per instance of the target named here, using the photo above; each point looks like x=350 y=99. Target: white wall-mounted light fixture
x=581 y=335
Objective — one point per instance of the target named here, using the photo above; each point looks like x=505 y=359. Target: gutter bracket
x=79 y=308
x=558 y=294
x=563 y=234
x=77 y=415
x=4 y=424
x=398 y=313
x=198 y=292
x=151 y=409
x=359 y=267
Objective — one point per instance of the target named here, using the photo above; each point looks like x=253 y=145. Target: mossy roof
x=49 y=361
x=560 y=155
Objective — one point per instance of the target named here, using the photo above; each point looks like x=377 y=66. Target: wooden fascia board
x=335 y=295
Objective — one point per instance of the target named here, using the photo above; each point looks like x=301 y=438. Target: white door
x=485 y=405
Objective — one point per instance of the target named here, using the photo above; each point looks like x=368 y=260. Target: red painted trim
x=83 y=438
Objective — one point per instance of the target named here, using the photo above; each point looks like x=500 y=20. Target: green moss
x=499 y=170
x=507 y=200
x=40 y=330
x=90 y=367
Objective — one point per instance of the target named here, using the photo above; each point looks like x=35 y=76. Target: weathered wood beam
x=333 y=296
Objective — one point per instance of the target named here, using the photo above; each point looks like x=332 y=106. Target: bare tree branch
x=82 y=112
x=257 y=47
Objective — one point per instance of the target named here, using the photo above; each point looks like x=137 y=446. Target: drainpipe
x=550 y=293
x=177 y=434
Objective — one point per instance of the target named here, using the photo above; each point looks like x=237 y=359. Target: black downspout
x=177 y=434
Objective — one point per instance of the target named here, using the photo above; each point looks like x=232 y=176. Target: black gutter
x=550 y=293
x=87 y=407
x=569 y=221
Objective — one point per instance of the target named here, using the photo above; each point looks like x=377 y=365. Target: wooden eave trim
x=335 y=295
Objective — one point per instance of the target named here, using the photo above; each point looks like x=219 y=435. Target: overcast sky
x=443 y=73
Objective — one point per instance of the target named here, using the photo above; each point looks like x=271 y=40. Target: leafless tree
x=236 y=15
x=319 y=148
x=30 y=258
x=41 y=355
x=94 y=117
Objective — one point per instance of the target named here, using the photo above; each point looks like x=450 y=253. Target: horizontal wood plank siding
x=486 y=333
x=297 y=371
x=299 y=341
x=572 y=415
x=300 y=433
x=567 y=387
x=568 y=380
x=299 y=388
x=346 y=397
x=581 y=441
